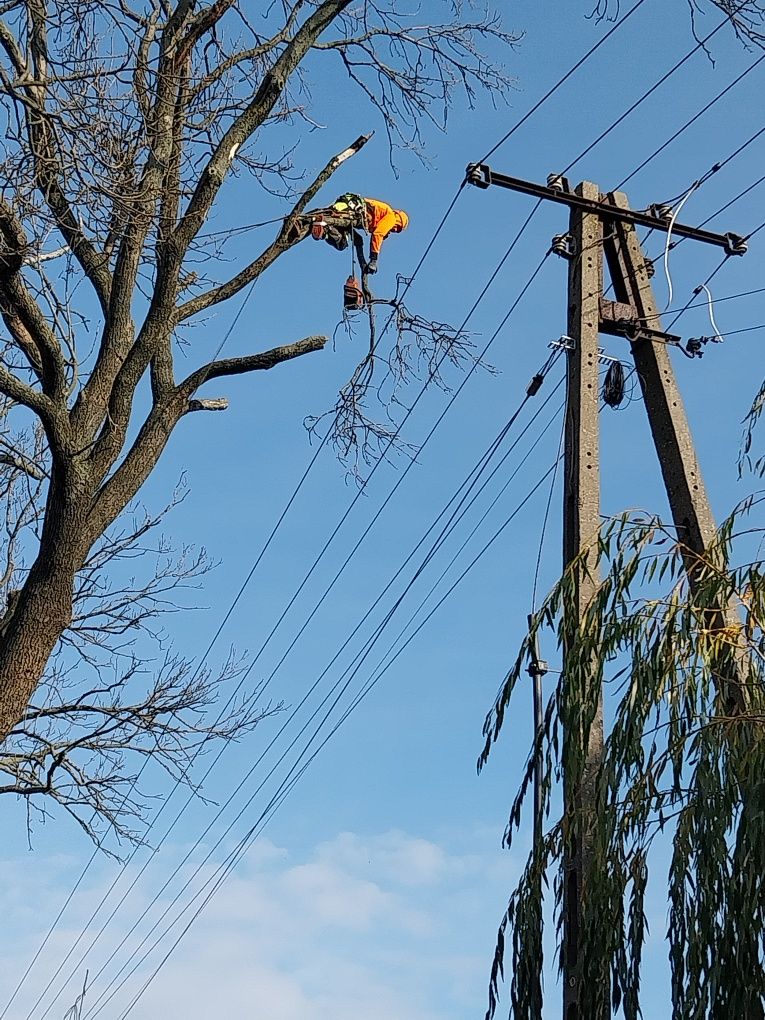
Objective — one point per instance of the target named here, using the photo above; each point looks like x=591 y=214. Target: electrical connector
x=535 y=385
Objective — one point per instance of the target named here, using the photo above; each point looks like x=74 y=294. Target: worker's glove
x=372 y=266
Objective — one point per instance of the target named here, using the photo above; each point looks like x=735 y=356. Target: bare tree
x=123 y=121
x=747 y=17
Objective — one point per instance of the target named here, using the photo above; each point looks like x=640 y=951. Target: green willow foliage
x=684 y=755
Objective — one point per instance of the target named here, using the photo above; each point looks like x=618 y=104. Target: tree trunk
x=43 y=609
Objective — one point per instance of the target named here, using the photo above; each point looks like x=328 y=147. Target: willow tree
x=124 y=123
x=682 y=772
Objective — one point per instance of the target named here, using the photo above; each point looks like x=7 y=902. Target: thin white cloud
x=388 y=927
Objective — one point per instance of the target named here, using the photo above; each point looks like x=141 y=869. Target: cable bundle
x=613 y=384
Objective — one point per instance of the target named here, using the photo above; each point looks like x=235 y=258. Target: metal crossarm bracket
x=482 y=176
x=620 y=319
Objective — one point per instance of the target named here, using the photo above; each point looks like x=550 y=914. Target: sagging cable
x=716 y=338
x=672 y=221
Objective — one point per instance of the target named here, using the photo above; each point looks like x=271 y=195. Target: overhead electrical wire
x=733 y=200
x=457 y=515
x=357 y=700
x=365 y=533
x=561 y=81
x=762 y=225
x=735 y=332
x=705 y=177
x=692 y=120
x=313 y=460
x=665 y=77
x=200 y=665
x=701 y=304
x=649 y=92
x=290 y=780
x=546 y=515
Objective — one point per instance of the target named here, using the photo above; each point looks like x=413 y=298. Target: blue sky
x=378 y=885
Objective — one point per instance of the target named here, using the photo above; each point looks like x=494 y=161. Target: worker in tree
x=378 y=218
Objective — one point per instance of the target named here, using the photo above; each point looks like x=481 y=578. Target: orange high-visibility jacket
x=381 y=220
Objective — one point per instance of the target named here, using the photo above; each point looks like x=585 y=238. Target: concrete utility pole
x=581 y=523
x=598 y=224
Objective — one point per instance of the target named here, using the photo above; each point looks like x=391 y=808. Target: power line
x=286 y=786
x=735 y=199
x=587 y=150
x=546 y=517
x=365 y=533
x=735 y=332
x=456 y=516
x=688 y=123
x=475 y=474
x=135 y=780
x=665 y=77
x=702 y=304
x=561 y=81
x=257 y=561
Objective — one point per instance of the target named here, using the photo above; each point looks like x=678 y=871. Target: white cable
x=717 y=338
x=672 y=222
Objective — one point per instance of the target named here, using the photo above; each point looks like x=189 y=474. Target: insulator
x=662 y=211
x=693 y=346
x=556 y=182
x=478 y=174
x=563 y=245
x=736 y=245
x=650 y=268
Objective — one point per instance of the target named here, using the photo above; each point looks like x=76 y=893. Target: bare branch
x=213 y=404
x=252 y=362
x=292 y=231
x=254 y=115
